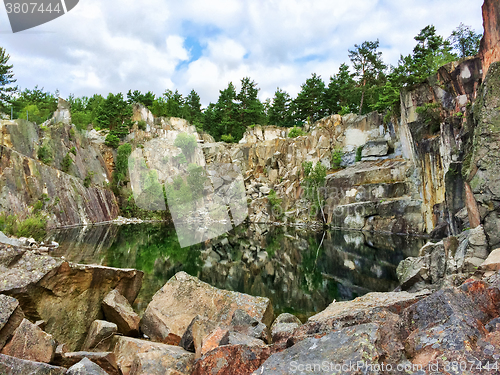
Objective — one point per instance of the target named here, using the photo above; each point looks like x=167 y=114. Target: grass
x=34 y=226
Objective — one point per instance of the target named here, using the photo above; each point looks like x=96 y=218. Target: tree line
x=367 y=84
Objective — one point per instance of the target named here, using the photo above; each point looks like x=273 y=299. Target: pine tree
x=341 y=95
x=465 y=40
x=193 y=110
x=368 y=66
x=309 y=104
x=280 y=110
x=251 y=108
x=6 y=79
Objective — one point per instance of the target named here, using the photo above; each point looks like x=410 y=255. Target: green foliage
x=114 y=113
x=187 y=143
x=314 y=179
x=66 y=163
x=81 y=119
x=141 y=125
x=72 y=135
x=369 y=68
x=45 y=103
x=112 y=140
x=336 y=158
x=137 y=97
x=228 y=138
x=31 y=113
x=275 y=204
x=280 y=112
x=359 y=152
x=35 y=225
x=465 y=40
x=180 y=198
x=45 y=154
x=342 y=96
x=121 y=165
x=309 y=103
x=431 y=115
x=88 y=179
x=6 y=80
x=180 y=159
x=196 y=180
x=250 y=108
x=296 y=132
x=73 y=150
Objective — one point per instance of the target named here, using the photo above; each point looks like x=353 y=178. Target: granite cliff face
x=25 y=180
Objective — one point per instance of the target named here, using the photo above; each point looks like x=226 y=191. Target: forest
x=363 y=85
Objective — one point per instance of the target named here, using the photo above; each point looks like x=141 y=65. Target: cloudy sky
x=104 y=46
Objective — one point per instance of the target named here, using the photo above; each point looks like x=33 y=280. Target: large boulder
x=31 y=343
x=105 y=360
x=346 y=346
x=14 y=366
x=184 y=297
x=100 y=335
x=67 y=296
x=284 y=326
x=11 y=316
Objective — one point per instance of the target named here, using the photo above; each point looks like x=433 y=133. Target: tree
x=45 y=102
x=341 y=95
x=368 y=66
x=114 y=113
x=465 y=40
x=6 y=79
x=137 y=97
x=250 y=107
x=193 y=110
x=309 y=103
x=227 y=119
x=280 y=110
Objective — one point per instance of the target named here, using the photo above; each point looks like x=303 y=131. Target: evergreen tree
x=309 y=104
x=368 y=66
x=193 y=110
x=6 y=79
x=465 y=40
x=137 y=97
x=341 y=95
x=114 y=113
x=250 y=107
x=280 y=110
x=227 y=117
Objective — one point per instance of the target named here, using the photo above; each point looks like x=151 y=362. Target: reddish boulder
x=232 y=360
x=11 y=316
x=31 y=343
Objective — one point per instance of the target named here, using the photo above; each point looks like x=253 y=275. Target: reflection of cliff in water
x=300 y=271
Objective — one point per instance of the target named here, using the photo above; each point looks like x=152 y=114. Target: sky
x=104 y=46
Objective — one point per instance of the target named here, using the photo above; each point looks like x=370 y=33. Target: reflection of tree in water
x=155 y=250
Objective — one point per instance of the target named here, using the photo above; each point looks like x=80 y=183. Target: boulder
x=183 y=297
x=231 y=359
x=100 y=335
x=344 y=346
x=67 y=296
x=105 y=360
x=85 y=367
x=118 y=310
x=447 y=321
x=16 y=366
x=198 y=329
x=236 y=338
x=284 y=326
x=247 y=325
x=31 y=343
x=9 y=241
x=492 y=263
x=11 y=316
x=127 y=350
x=210 y=341
x=375 y=148
x=158 y=362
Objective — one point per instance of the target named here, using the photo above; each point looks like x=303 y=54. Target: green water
x=301 y=271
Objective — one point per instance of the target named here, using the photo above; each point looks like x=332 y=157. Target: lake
x=301 y=271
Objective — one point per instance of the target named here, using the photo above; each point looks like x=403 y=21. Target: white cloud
x=114 y=46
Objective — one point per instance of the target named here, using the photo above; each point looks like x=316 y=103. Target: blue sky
x=113 y=46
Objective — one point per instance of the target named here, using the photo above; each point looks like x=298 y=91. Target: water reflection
x=300 y=271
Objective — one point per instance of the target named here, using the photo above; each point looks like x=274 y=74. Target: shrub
x=73 y=150
x=296 y=132
x=359 y=153
x=34 y=226
x=72 y=134
x=81 y=119
x=87 y=180
x=430 y=115
x=66 y=163
x=227 y=138
x=112 y=140
x=187 y=143
x=141 y=125
x=181 y=159
x=275 y=203
x=44 y=154
x=336 y=159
